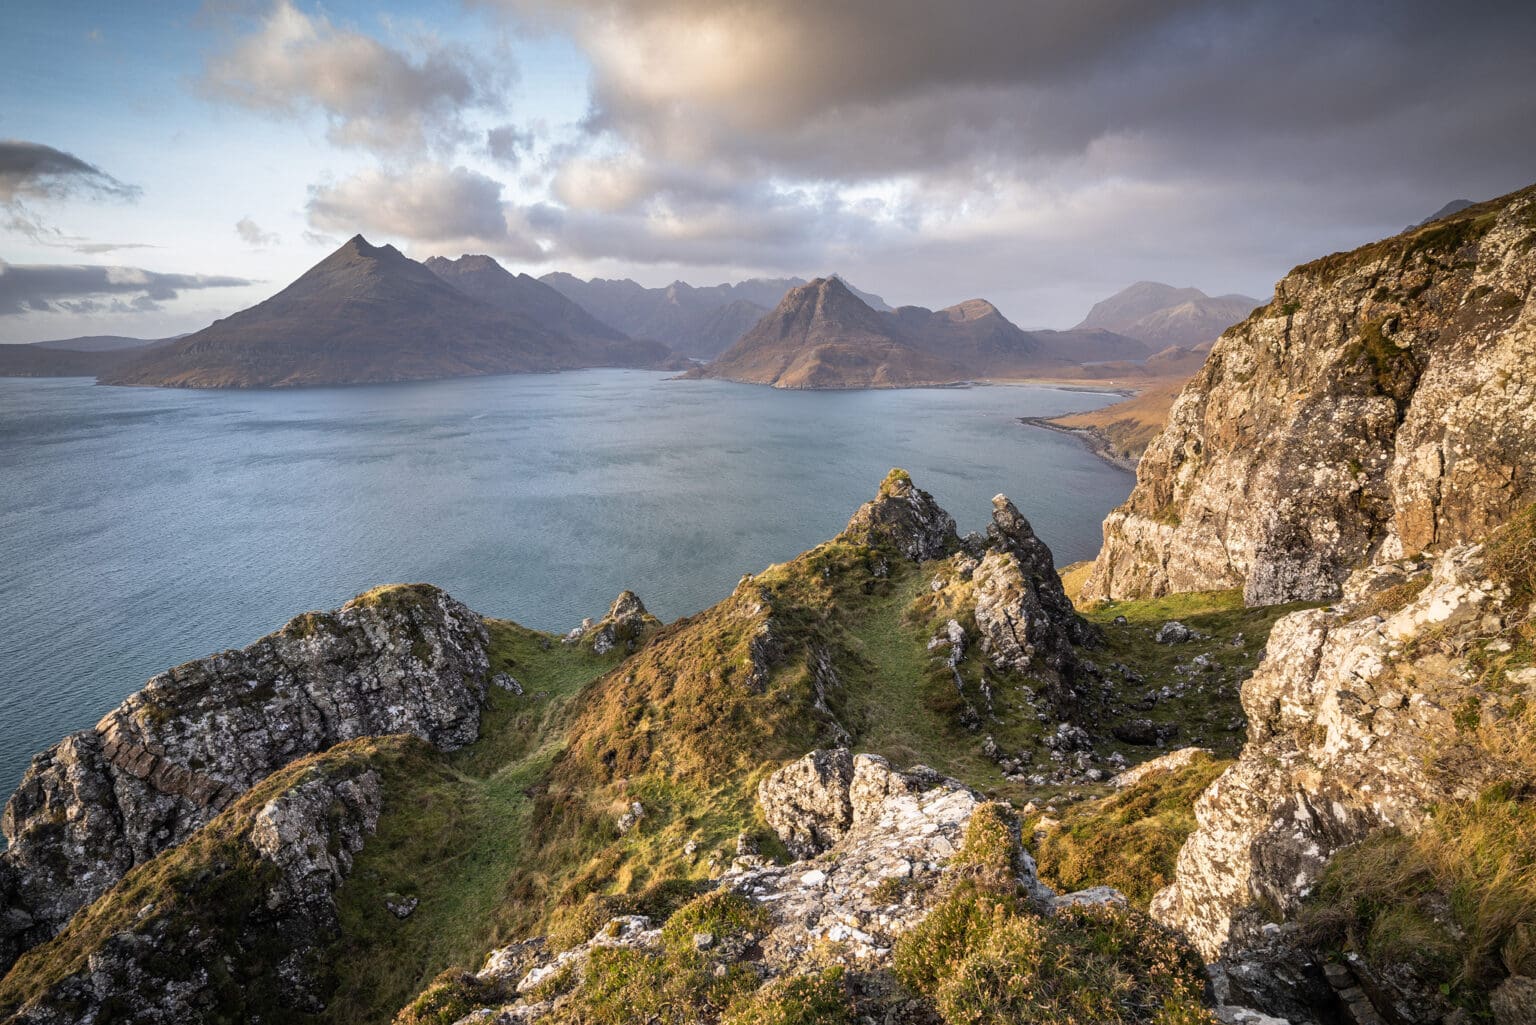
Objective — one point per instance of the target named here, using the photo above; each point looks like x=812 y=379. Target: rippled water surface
x=140 y=528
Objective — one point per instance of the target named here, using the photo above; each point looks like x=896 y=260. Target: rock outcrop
x=1027 y=622
x=406 y=659
x=626 y=626
x=905 y=518
x=1358 y=721
x=1383 y=403
x=223 y=925
x=849 y=901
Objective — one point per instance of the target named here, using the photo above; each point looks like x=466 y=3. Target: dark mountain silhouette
x=823 y=336
x=369 y=314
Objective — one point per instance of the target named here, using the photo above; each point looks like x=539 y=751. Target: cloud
x=252 y=234
x=373 y=95
x=1062 y=136
x=507 y=144
x=42 y=288
x=31 y=170
x=433 y=204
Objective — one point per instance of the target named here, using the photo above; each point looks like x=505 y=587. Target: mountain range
x=822 y=335
x=368 y=314
x=697 y=322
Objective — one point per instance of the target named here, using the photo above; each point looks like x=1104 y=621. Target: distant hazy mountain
x=697 y=321
x=821 y=335
x=1162 y=315
x=1455 y=206
x=370 y=314
x=491 y=283
x=99 y=343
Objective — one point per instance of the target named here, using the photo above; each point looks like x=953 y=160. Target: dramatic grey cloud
x=31 y=170
x=1053 y=138
x=43 y=288
x=443 y=207
x=34 y=171
x=375 y=96
x=254 y=236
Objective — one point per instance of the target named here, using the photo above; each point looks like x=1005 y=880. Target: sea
x=141 y=528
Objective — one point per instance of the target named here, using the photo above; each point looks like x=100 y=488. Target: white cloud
x=252 y=234
x=439 y=206
x=380 y=97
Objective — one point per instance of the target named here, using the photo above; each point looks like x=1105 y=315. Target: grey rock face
x=1027 y=623
x=164 y=762
x=905 y=518
x=1514 y=1002
x=1383 y=403
x=627 y=625
x=165 y=969
x=807 y=802
x=1341 y=712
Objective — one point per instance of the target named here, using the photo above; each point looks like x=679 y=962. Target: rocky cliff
x=1402 y=712
x=227 y=923
x=1383 y=403
x=168 y=759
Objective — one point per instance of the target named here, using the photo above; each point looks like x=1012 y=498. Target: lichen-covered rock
x=626 y=626
x=806 y=802
x=1343 y=711
x=405 y=659
x=1514 y=1002
x=235 y=917
x=1383 y=403
x=904 y=518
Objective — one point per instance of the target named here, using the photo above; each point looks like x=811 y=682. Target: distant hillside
x=369 y=314
x=823 y=336
x=40 y=361
x=701 y=322
x=100 y=343
x=1162 y=315
x=1455 y=206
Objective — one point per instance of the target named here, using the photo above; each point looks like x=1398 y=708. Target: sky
x=165 y=164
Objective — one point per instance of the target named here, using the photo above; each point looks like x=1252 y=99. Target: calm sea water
x=140 y=528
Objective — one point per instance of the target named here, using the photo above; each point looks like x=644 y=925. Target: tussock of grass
x=678 y=984
x=795 y=1000
x=1457 y=900
x=983 y=955
x=1129 y=839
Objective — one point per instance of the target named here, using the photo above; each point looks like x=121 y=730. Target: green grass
x=984 y=955
x=1456 y=901
x=1210 y=701
x=455 y=838
x=1128 y=839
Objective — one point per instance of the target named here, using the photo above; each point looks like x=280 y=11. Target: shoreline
x=1092 y=438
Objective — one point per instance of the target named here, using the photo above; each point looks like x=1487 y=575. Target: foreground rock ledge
x=406 y=659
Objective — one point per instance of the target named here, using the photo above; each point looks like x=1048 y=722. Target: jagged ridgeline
x=317 y=826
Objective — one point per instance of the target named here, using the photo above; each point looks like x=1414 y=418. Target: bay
x=140 y=528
